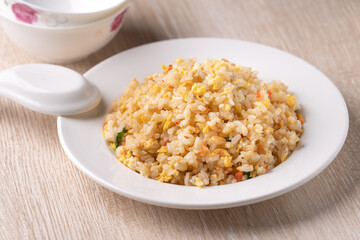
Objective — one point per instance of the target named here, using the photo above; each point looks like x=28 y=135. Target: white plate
x=326 y=123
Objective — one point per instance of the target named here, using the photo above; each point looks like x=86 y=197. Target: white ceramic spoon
x=49 y=89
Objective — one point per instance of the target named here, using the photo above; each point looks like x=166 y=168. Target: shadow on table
x=321 y=195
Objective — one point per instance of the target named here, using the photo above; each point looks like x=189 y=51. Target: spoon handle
x=10 y=86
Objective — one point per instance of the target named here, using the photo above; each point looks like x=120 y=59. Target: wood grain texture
x=44 y=196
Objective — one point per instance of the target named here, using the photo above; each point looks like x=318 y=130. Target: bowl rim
x=120 y=10
x=36 y=7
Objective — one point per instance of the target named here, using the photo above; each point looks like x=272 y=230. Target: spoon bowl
x=49 y=89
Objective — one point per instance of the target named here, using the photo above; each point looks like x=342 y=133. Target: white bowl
x=64 y=44
x=55 y=13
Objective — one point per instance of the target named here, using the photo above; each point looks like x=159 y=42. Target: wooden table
x=43 y=195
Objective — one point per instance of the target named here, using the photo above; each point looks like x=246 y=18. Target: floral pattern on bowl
x=117 y=21
x=30 y=14
x=53 y=20
x=24 y=13
x=27 y=14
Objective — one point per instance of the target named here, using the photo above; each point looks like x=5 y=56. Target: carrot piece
x=204 y=151
x=238 y=176
x=269 y=92
x=261 y=149
x=258 y=94
x=218 y=128
x=105 y=124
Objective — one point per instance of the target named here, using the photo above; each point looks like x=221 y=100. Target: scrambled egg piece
x=151 y=144
x=143 y=118
x=227 y=161
x=283 y=157
x=227 y=90
x=291 y=101
x=266 y=103
x=206 y=129
x=162 y=150
x=271 y=130
x=247 y=85
x=124 y=156
x=220 y=65
x=238 y=109
x=155 y=89
x=112 y=145
x=226 y=107
x=198 y=89
x=225 y=156
x=163 y=177
x=217 y=82
x=199 y=182
x=168 y=122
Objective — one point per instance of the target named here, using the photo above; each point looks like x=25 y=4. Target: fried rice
x=203 y=124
